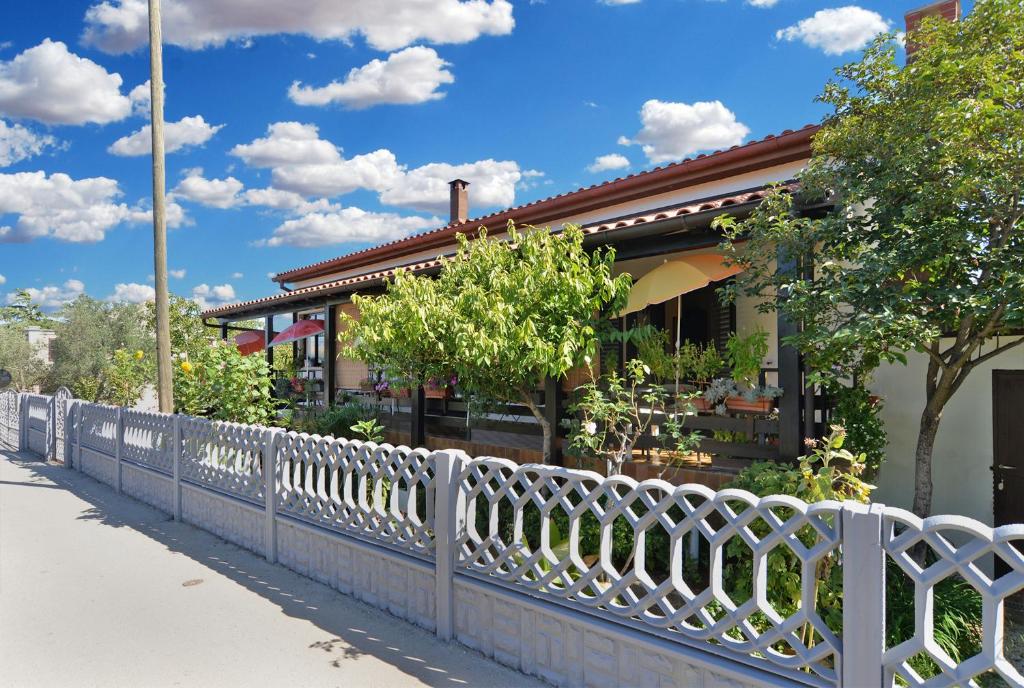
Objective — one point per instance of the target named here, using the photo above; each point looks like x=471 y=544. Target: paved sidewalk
x=98 y=589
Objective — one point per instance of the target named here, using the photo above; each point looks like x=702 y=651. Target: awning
x=676 y=277
x=300 y=330
x=250 y=342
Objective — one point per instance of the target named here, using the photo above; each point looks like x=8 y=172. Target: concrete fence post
x=270 y=493
x=22 y=421
x=449 y=526
x=79 y=422
x=118 y=444
x=51 y=429
x=863 y=595
x=177 y=448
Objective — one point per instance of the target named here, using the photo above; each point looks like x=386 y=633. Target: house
x=660 y=215
x=41 y=340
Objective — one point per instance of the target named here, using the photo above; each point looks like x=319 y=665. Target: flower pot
x=701 y=404
x=743 y=405
x=438 y=392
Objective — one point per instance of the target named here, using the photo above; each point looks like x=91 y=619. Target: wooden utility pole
x=165 y=382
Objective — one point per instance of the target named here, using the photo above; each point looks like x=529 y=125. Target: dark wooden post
x=789 y=378
x=330 y=352
x=553 y=415
x=268 y=334
x=418 y=426
x=295 y=345
x=224 y=330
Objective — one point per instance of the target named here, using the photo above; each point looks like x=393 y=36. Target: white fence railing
x=566 y=574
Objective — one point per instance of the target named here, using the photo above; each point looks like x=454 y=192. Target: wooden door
x=1008 y=449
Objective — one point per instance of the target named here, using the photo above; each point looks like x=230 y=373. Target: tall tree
x=924 y=248
x=89 y=332
x=21 y=310
x=19 y=358
x=501 y=316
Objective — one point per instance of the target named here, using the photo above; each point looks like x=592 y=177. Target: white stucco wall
x=963 y=447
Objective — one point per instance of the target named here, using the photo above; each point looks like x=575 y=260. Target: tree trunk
x=545 y=426
x=923 y=486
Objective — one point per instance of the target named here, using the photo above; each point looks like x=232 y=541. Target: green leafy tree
x=924 y=249
x=18 y=358
x=188 y=333
x=89 y=332
x=22 y=310
x=501 y=316
x=218 y=382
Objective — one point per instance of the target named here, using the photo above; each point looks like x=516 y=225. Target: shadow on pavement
x=376 y=633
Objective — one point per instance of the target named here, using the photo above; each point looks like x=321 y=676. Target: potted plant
x=440 y=389
x=703 y=362
x=745 y=355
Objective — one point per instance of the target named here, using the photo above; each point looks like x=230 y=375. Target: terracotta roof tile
x=617 y=223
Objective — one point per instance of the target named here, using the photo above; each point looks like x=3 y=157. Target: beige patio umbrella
x=676 y=277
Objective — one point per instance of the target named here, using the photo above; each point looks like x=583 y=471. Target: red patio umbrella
x=300 y=330
x=250 y=342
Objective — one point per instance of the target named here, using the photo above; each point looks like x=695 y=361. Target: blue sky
x=522 y=99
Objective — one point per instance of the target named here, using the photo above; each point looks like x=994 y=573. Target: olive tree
x=923 y=249
x=502 y=315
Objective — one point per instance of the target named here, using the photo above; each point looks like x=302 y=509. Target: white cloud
x=348 y=224
x=177 y=274
x=140 y=99
x=50 y=84
x=78 y=210
x=52 y=297
x=271 y=275
x=288 y=143
x=211 y=297
x=672 y=131
x=18 y=143
x=132 y=292
x=237 y=275
x=407 y=77
x=375 y=171
x=306 y=165
x=493 y=183
x=762 y=3
x=118 y=26
x=618 y=2
x=289 y=201
x=188 y=131
x=215 y=193
x=3 y=280
x=612 y=161
x=836 y=31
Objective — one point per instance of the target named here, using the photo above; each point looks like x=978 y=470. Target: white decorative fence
x=566 y=574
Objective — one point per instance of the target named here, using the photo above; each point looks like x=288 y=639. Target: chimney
x=947 y=9
x=459 y=201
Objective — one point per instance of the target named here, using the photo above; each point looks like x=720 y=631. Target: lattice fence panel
x=530 y=526
x=10 y=420
x=99 y=428
x=61 y=406
x=379 y=492
x=225 y=456
x=940 y=556
x=38 y=411
x=148 y=439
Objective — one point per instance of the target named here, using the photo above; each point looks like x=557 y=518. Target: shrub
x=218 y=382
x=859 y=413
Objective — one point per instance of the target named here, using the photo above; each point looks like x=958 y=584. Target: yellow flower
x=186 y=366
x=139 y=355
